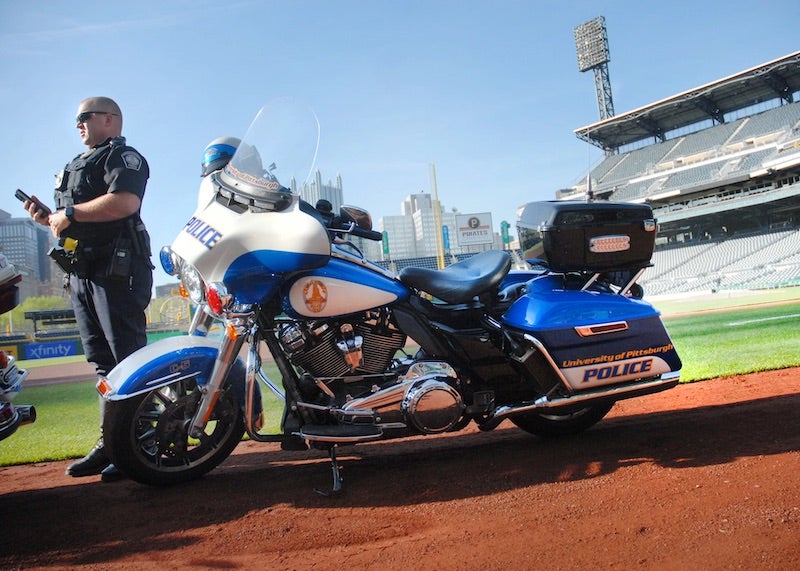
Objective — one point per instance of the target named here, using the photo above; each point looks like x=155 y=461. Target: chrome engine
x=356 y=362
x=423 y=400
x=328 y=349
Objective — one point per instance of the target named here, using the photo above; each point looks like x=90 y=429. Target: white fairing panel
x=318 y=296
x=215 y=237
x=206 y=192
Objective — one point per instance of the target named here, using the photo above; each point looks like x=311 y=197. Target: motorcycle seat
x=462 y=281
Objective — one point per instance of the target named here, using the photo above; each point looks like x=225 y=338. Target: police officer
x=98 y=198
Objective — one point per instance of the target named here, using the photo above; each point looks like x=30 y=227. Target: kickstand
x=337 y=478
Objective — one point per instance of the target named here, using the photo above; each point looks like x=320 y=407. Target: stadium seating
x=634 y=164
x=707 y=155
x=711 y=157
x=708 y=139
x=767 y=122
x=751 y=261
x=702 y=159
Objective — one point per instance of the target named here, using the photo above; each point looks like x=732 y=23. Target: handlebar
x=338 y=226
x=373 y=235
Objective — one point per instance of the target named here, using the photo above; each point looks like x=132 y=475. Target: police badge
x=132 y=160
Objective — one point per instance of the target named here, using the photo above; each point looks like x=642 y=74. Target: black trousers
x=111 y=312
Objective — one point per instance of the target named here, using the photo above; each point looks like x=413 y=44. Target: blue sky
x=489 y=91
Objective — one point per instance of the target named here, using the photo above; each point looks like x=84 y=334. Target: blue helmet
x=217 y=154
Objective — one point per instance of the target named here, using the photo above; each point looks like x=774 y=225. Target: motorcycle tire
x=550 y=424
x=147 y=436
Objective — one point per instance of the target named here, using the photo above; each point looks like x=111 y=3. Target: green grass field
x=68 y=420
x=734 y=332
x=730 y=342
x=721 y=336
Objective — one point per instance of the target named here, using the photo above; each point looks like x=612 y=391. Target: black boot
x=91 y=464
x=111 y=474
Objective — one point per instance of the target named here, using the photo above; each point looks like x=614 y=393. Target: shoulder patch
x=132 y=160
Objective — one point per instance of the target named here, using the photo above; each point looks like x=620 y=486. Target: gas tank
x=341 y=287
x=249 y=251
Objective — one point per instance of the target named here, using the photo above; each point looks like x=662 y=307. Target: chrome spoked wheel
x=148 y=435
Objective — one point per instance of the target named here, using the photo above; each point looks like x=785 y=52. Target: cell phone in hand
x=40 y=206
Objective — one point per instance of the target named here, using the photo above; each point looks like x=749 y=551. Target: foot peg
x=340 y=433
x=333 y=434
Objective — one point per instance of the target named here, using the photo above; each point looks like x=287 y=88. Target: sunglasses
x=86 y=115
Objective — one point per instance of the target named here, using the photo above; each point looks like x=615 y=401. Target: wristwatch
x=69 y=212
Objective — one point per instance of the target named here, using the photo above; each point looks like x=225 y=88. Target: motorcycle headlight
x=170 y=261
x=193 y=283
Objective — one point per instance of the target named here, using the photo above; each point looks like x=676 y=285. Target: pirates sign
x=474 y=229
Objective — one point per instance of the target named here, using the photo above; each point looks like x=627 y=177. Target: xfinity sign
x=50 y=349
x=474 y=229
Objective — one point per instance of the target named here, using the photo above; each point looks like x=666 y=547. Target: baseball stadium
x=720 y=166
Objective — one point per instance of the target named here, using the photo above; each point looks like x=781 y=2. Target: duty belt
x=92 y=253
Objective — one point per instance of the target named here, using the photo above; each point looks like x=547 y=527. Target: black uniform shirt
x=112 y=166
x=126 y=170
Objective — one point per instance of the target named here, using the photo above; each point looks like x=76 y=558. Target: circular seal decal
x=315 y=295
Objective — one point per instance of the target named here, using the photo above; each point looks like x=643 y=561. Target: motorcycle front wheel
x=147 y=435
x=550 y=424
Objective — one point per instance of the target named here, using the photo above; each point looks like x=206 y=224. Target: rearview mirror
x=358 y=216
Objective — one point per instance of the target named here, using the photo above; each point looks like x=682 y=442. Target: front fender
x=159 y=364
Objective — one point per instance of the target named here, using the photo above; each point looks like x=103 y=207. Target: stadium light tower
x=591 y=44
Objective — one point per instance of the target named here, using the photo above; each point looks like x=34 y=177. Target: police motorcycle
x=11 y=377
x=364 y=354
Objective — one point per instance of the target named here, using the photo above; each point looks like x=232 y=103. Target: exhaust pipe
x=664 y=382
x=27 y=414
x=14 y=417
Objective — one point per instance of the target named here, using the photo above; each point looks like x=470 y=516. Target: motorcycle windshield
x=249 y=228
x=276 y=156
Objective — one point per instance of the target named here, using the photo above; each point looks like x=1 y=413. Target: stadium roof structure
x=777 y=79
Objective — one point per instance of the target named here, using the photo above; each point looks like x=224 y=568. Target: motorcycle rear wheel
x=550 y=425
x=147 y=436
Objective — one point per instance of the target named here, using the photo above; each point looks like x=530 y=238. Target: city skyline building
x=26 y=244
x=315 y=190
x=412 y=234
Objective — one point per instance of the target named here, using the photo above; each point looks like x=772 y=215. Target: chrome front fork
x=236 y=332
x=251 y=420
x=232 y=339
x=202 y=321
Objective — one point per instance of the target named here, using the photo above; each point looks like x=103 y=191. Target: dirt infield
x=705 y=475
x=58 y=374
